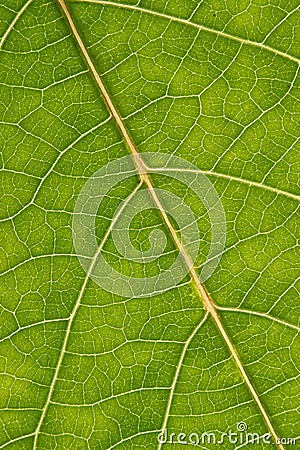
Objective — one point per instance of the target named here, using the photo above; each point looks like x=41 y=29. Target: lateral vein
x=75 y=309
x=195 y=25
x=259 y=314
x=11 y=26
x=177 y=372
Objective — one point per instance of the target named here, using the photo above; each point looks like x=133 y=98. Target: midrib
x=145 y=179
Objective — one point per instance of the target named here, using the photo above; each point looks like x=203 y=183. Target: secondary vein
x=73 y=314
x=195 y=25
x=11 y=26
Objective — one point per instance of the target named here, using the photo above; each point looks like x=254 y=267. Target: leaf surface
x=87 y=82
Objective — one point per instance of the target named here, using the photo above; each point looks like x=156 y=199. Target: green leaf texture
x=215 y=82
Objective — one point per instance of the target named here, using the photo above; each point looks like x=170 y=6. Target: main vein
x=145 y=179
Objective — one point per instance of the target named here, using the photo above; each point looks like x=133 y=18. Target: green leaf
x=83 y=84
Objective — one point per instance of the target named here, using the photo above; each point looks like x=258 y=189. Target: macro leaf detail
x=184 y=90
